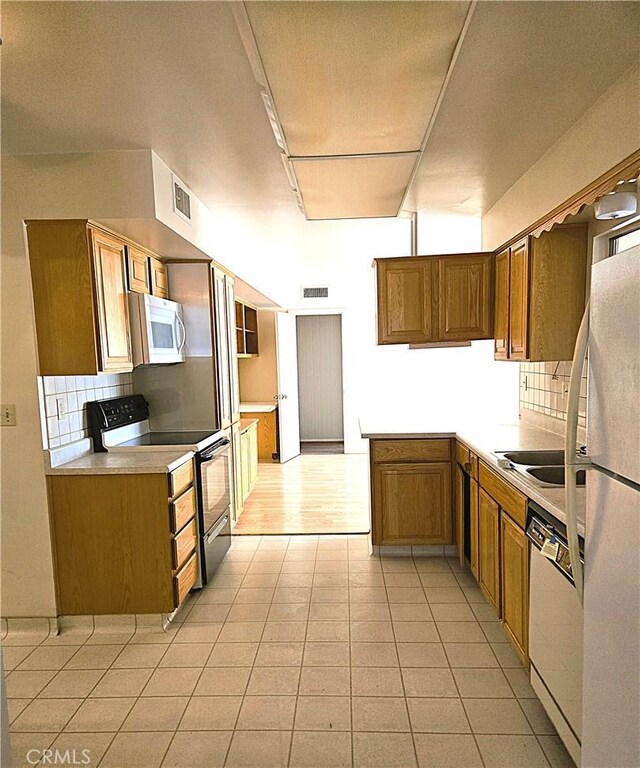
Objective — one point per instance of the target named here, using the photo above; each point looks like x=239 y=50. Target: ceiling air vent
x=181 y=199
x=315 y=293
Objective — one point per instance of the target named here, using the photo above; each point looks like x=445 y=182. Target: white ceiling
x=525 y=74
x=174 y=77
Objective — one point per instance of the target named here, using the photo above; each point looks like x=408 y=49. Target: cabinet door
x=459 y=518
x=514 y=556
x=111 y=303
x=489 y=547
x=159 y=278
x=501 y=321
x=473 y=528
x=138 y=268
x=236 y=452
x=253 y=455
x=412 y=503
x=519 y=301
x=465 y=297
x=245 y=465
x=405 y=289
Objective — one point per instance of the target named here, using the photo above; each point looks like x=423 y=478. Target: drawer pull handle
x=217 y=529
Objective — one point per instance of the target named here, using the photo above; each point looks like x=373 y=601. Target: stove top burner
x=167 y=438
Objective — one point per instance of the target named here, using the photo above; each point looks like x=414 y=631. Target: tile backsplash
x=544 y=388
x=73 y=392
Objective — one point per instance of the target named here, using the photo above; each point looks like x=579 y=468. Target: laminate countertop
x=484 y=439
x=265 y=407
x=130 y=463
x=245 y=424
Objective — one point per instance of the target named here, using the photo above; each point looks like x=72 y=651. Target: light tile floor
x=303 y=651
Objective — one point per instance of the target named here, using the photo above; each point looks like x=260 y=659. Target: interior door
x=287 y=364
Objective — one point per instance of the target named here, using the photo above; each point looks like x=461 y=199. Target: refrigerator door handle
x=572 y=462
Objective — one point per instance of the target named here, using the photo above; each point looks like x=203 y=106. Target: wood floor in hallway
x=309 y=494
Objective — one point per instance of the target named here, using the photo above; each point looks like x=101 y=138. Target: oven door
x=214 y=503
x=162 y=331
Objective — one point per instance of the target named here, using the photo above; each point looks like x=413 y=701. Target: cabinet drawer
x=184 y=543
x=185 y=579
x=510 y=499
x=411 y=450
x=462 y=454
x=182 y=510
x=180 y=479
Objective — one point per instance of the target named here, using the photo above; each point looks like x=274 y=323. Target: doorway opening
x=306 y=484
x=320 y=388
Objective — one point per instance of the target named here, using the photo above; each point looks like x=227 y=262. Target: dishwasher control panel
x=550 y=544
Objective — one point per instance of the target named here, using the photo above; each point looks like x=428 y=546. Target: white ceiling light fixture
x=620 y=203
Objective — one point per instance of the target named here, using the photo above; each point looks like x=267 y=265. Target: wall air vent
x=181 y=199
x=315 y=293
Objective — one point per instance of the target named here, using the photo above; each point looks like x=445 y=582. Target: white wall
x=463 y=381
x=606 y=134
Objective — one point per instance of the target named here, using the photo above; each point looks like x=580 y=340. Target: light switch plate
x=8 y=415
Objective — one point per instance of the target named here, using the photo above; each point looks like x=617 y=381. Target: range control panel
x=116 y=412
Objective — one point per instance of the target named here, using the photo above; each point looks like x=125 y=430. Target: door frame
x=341 y=312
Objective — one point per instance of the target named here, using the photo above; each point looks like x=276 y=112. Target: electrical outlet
x=8 y=416
x=62 y=408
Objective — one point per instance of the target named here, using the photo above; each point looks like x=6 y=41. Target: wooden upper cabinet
x=78 y=275
x=519 y=301
x=540 y=295
x=159 y=278
x=465 y=292
x=424 y=299
x=405 y=290
x=112 y=303
x=138 y=270
x=501 y=316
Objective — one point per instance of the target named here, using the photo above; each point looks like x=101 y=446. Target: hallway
x=311 y=494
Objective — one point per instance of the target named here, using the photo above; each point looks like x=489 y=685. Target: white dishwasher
x=555 y=629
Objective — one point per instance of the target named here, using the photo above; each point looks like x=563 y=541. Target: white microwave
x=157 y=330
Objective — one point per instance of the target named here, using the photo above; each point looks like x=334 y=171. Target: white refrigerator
x=611 y=661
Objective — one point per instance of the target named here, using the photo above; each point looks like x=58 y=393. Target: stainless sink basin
x=551 y=475
x=536 y=458
x=544 y=468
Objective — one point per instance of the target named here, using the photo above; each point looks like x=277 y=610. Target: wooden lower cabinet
x=412 y=503
x=489 y=548
x=514 y=558
x=459 y=512
x=268 y=442
x=474 y=502
x=123 y=543
x=249 y=456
